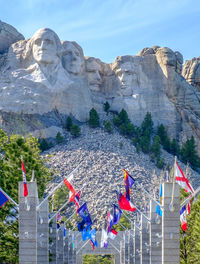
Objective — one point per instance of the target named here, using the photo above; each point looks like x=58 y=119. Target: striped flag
x=182 y=180
x=24 y=178
x=72 y=191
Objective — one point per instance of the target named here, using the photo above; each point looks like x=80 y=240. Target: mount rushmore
x=44 y=79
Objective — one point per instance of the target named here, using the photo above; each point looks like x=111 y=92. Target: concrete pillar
x=28 y=224
x=66 y=247
x=52 y=244
x=131 y=249
x=70 y=249
x=144 y=241
x=155 y=235
x=79 y=259
x=43 y=233
x=136 y=245
x=126 y=246
x=116 y=258
x=122 y=251
x=170 y=225
x=59 y=247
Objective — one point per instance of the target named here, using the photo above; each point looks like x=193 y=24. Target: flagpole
x=70 y=177
x=9 y=198
x=152 y=198
x=82 y=246
x=171 y=206
x=190 y=197
x=114 y=246
x=142 y=213
x=62 y=207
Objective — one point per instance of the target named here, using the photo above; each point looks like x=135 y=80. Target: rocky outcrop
x=44 y=75
x=8 y=35
x=191 y=72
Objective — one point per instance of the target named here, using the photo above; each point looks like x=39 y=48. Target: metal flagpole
x=190 y=197
x=10 y=198
x=171 y=206
x=70 y=177
x=82 y=246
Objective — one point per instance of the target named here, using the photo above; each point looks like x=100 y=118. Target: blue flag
x=158 y=209
x=86 y=233
x=117 y=214
x=93 y=240
x=84 y=213
x=128 y=181
x=3 y=198
x=81 y=225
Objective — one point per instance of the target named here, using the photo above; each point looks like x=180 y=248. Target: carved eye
x=38 y=42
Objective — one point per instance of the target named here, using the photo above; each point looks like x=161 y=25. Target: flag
x=183 y=218
x=86 y=233
x=109 y=222
x=182 y=180
x=3 y=198
x=124 y=203
x=104 y=239
x=158 y=209
x=76 y=200
x=128 y=181
x=24 y=179
x=72 y=191
x=93 y=240
x=116 y=215
x=59 y=217
x=112 y=234
x=81 y=226
x=84 y=213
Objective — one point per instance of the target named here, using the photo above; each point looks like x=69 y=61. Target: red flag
x=125 y=204
x=182 y=180
x=24 y=179
x=76 y=200
x=72 y=195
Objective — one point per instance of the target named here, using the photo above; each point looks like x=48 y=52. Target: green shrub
x=106 y=107
x=94 y=118
x=160 y=163
x=68 y=123
x=75 y=130
x=59 y=138
x=108 y=127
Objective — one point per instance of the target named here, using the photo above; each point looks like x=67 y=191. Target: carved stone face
x=127 y=77
x=94 y=78
x=44 y=46
x=166 y=56
x=71 y=59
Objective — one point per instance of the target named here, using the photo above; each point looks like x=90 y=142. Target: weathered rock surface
x=102 y=161
x=43 y=75
x=8 y=35
x=191 y=72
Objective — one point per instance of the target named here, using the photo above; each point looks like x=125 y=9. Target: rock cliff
x=43 y=80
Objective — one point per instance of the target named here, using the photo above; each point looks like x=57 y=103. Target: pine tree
x=147 y=124
x=75 y=130
x=94 y=118
x=59 y=138
x=10 y=174
x=155 y=148
x=106 y=107
x=189 y=153
x=174 y=148
x=108 y=127
x=68 y=123
x=121 y=118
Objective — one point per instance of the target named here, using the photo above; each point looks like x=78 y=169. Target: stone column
x=70 y=248
x=122 y=251
x=116 y=258
x=126 y=245
x=170 y=225
x=66 y=247
x=43 y=233
x=79 y=258
x=155 y=235
x=28 y=224
x=144 y=241
x=52 y=244
x=130 y=246
x=136 y=244
x=59 y=247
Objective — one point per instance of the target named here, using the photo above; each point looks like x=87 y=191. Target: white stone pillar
x=155 y=235
x=28 y=224
x=144 y=241
x=170 y=225
x=43 y=233
x=59 y=247
x=52 y=244
x=136 y=244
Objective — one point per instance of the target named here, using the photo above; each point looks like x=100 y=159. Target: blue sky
x=109 y=28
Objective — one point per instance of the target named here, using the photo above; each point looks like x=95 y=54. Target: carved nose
x=97 y=75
